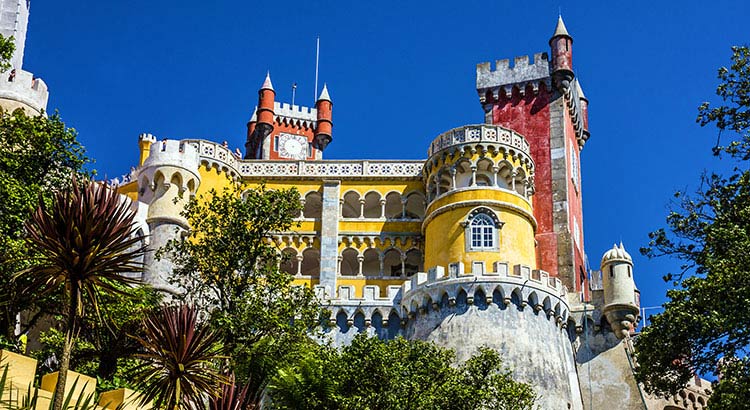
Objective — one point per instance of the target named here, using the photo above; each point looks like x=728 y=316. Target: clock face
x=292 y=146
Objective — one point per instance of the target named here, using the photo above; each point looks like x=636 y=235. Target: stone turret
x=167 y=179
x=620 y=305
x=19 y=88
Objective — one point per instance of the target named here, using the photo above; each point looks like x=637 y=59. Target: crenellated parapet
x=298 y=115
x=505 y=283
x=504 y=78
x=375 y=312
x=20 y=89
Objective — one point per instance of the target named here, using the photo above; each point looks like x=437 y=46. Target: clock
x=292 y=146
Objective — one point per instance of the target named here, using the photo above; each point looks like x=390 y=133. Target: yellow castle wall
x=445 y=240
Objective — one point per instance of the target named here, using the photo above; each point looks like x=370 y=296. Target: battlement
x=145 y=137
x=172 y=153
x=22 y=87
x=506 y=283
x=297 y=114
x=521 y=72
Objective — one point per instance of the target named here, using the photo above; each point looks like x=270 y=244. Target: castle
x=480 y=244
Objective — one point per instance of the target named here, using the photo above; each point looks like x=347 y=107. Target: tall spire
x=267 y=83
x=324 y=94
x=560 y=30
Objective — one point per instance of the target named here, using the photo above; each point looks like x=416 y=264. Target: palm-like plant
x=87 y=241
x=180 y=356
x=232 y=397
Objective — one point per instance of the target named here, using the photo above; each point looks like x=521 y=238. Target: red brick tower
x=280 y=131
x=544 y=102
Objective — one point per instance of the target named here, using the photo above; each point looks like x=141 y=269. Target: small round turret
x=324 y=107
x=261 y=123
x=561 y=44
x=166 y=181
x=620 y=306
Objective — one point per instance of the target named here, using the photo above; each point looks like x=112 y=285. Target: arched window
x=482 y=232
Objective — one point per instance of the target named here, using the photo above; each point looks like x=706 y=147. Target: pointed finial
x=324 y=94
x=560 y=30
x=267 y=83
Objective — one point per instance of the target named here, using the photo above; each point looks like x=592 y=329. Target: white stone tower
x=620 y=301
x=19 y=88
x=166 y=181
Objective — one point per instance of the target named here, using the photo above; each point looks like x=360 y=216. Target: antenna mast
x=294 y=92
x=317 y=55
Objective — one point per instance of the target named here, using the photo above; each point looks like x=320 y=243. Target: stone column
x=361 y=260
x=361 y=208
x=495 y=170
x=473 y=175
x=453 y=178
x=299 y=258
x=329 y=236
x=382 y=208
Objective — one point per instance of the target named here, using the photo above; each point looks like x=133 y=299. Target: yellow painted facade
x=388 y=226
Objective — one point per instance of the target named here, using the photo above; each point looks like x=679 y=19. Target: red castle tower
x=543 y=101
x=280 y=131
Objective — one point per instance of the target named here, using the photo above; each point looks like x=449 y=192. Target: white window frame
x=481 y=230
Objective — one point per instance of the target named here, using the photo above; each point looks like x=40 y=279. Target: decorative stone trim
x=336 y=169
x=476 y=203
x=481 y=133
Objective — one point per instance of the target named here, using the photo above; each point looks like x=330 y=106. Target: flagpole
x=317 y=56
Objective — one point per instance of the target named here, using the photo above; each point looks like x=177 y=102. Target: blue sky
x=399 y=73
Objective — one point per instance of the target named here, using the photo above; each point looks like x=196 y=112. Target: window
x=482 y=232
x=276 y=143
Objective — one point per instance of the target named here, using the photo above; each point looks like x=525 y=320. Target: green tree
x=86 y=243
x=229 y=267
x=38 y=155
x=398 y=375
x=104 y=348
x=705 y=319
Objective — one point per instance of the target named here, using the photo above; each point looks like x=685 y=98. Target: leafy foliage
x=732 y=392
x=705 y=319
x=734 y=114
x=228 y=267
x=400 y=374
x=179 y=360
x=38 y=156
x=87 y=243
x=103 y=348
x=7 y=47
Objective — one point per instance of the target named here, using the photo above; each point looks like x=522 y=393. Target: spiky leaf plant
x=180 y=356
x=232 y=397
x=86 y=240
